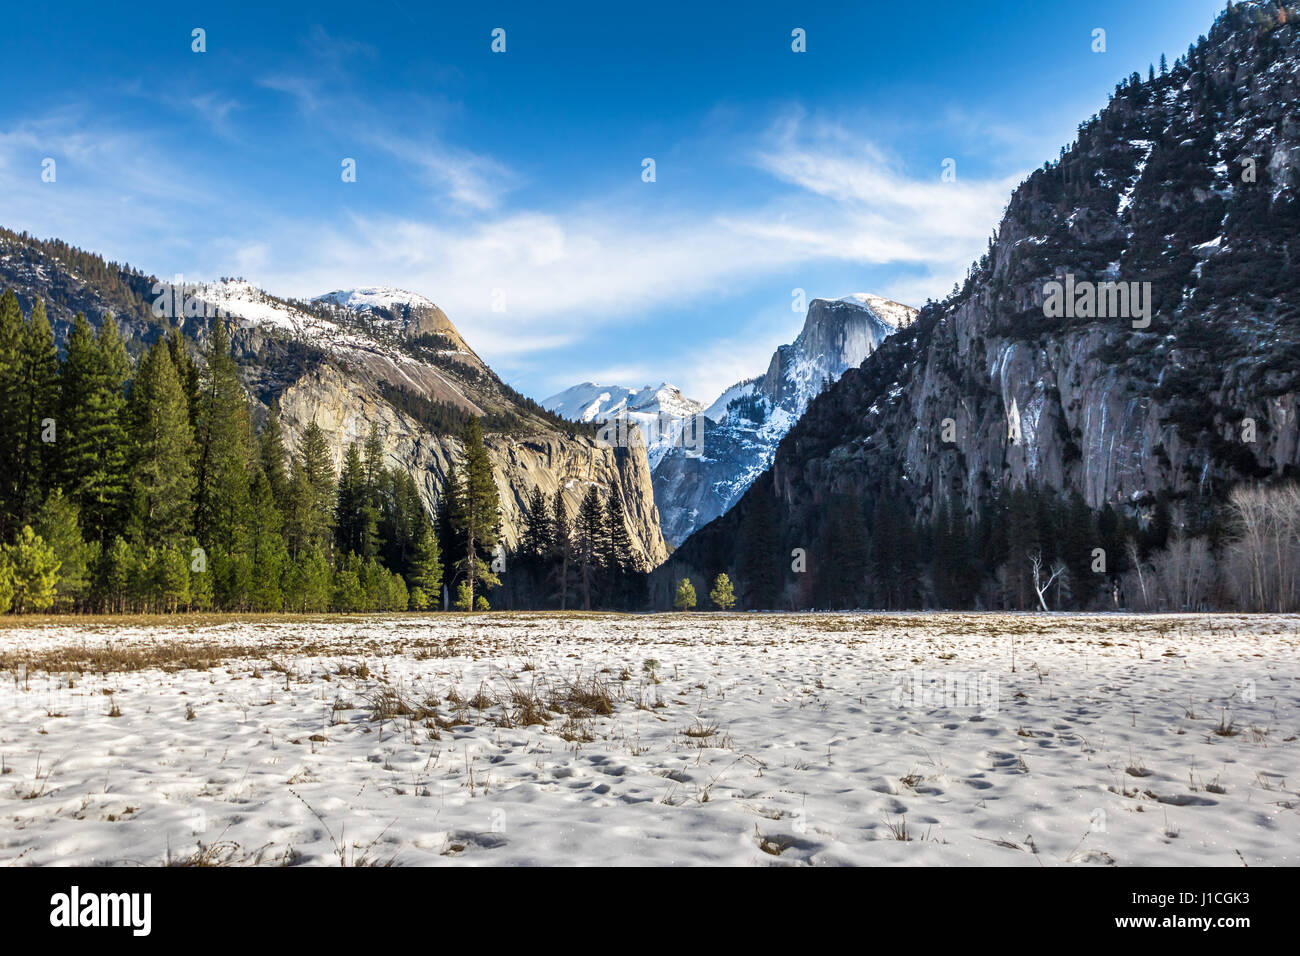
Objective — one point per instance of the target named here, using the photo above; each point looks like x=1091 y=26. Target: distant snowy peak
x=376 y=297
x=661 y=412
x=836 y=335
x=593 y=402
x=748 y=420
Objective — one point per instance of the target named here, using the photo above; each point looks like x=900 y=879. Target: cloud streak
x=569 y=277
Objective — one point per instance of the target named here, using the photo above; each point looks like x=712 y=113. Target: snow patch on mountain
x=252 y=306
x=592 y=402
x=375 y=297
x=719 y=409
x=892 y=313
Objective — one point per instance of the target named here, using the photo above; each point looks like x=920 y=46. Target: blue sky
x=519 y=174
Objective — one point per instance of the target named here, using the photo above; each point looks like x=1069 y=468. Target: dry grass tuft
x=579 y=698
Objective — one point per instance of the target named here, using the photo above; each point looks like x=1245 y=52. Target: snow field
x=743 y=739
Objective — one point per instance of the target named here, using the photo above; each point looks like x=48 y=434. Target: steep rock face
x=1188 y=182
x=741 y=430
x=344 y=406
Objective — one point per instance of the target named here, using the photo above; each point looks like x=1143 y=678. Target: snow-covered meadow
x=923 y=739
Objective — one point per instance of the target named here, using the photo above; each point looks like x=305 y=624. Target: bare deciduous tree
x=1036 y=567
x=1264 y=561
x=1185 y=573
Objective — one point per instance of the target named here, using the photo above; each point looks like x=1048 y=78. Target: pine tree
x=186 y=371
x=34 y=572
x=221 y=496
x=378 y=487
x=536 y=544
x=621 y=564
x=1021 y=530
x=398 y=595
x=274 y=457
x=92 y=436
x=844 y=543
x=617 y=537
x=589 y=535
x=348 y=592
x=161 y=448
x=309 y=582
x=318 y=470
x=58 y=525
x=476 y=511
x=38 y=398
x=426 y=569
x=1078 y=539
x=270 y=555
x=11 y=407
x=111 y=575
x=142 y=578
x=893 y=553
x=173 y=579
x=354 y=528
x=722 y=595
x=6 y=583
x=201 y=586
x=685 y=599
x=562 y=547
x=451 y=541
x=400 y=517
x=758 y=553
x=374 y=582
x=232 y=575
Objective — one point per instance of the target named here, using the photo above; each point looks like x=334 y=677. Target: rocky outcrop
x=345 y=406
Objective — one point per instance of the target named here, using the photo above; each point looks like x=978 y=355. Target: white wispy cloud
x=571 y=276
x=872 y=210
x=569 y=279
x=472 y=180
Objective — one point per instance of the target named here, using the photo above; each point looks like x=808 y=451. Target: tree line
x=1029 y=548
x=148 y=489
x=578 y=561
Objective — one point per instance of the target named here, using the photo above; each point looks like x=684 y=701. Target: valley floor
x=916 y=739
